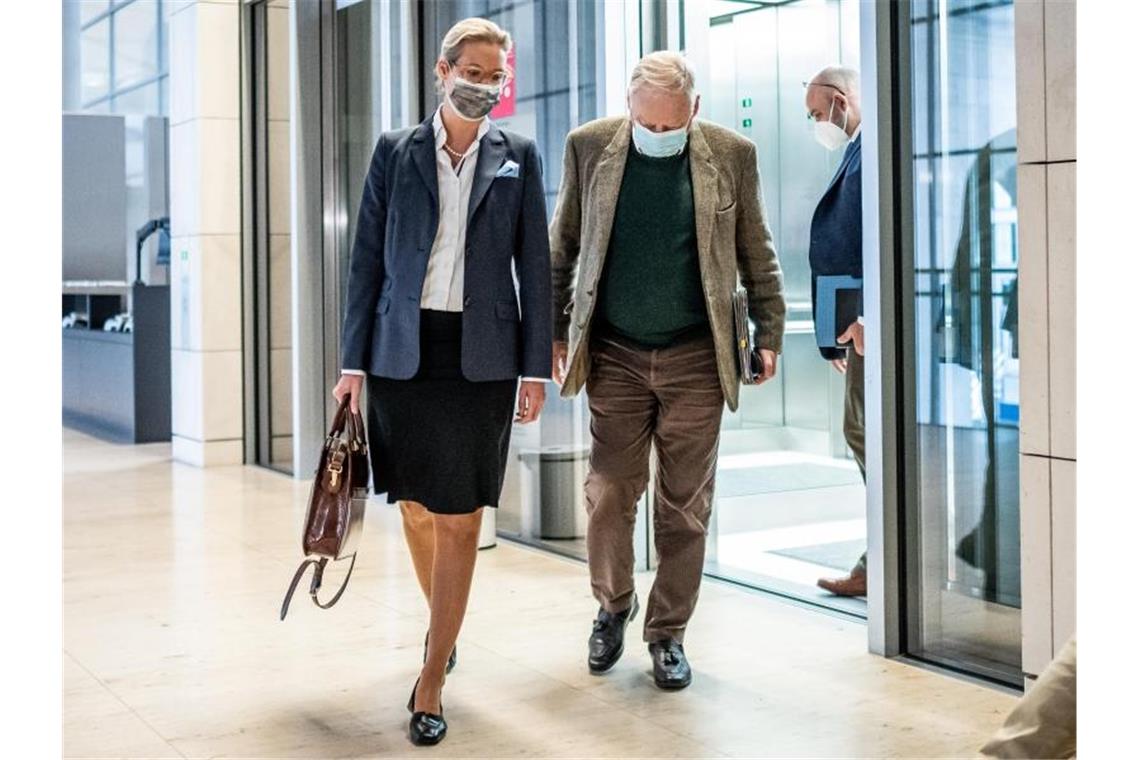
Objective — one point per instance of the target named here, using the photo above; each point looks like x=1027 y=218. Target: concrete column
x=205 y=212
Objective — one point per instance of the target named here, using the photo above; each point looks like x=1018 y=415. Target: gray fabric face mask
x=472 y=101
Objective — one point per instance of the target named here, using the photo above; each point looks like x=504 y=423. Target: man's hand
x=840 y=365
x=532 y=395
x=853 y=333
x=560 y=351
x=767 y=365
x=352 y=385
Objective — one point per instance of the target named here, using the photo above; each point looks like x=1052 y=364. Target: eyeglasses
x=822 y=84
x=475 y=75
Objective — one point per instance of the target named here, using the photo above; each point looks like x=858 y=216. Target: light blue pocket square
x=508 y=169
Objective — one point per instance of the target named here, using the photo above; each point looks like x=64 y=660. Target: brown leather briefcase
x=336 y=504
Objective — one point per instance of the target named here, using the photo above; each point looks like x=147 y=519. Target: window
x=136 y=44
x=122 y=64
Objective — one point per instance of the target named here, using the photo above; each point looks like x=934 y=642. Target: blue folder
x=838 y=303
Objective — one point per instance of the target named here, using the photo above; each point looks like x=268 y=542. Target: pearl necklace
x=455 y=153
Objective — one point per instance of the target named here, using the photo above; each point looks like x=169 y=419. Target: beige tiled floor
x=173 y=576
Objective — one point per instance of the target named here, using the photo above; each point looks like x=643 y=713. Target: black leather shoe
x=670 y=667
x=425 y=729
x=607 y=641
x=451 y=661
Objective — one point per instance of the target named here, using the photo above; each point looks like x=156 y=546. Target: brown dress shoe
x=854 y=584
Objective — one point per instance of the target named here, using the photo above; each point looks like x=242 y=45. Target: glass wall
x=385 y=80
x=268 y=239
x=122 y=61
x=963 y=561
x=790 y=502
x=116 y=61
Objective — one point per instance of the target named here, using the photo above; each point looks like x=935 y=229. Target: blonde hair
x=470 y=30
x=664 y=70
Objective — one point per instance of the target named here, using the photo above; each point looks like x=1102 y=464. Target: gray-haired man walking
x=657 y=217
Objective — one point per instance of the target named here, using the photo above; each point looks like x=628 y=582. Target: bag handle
x=338 y=418
x=353 y=420
x=315 y=585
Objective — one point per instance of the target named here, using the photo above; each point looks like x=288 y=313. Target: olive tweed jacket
x=734 y=241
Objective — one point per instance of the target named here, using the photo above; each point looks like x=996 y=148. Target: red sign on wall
x=506 y=106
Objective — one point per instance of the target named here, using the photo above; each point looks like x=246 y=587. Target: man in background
x=836 y=248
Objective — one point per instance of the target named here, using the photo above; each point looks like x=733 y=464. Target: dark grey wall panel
x=94 y=198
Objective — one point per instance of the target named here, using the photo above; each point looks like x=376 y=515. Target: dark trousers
x=670 y=398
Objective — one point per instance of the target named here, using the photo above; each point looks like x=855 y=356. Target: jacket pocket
x=508 y=310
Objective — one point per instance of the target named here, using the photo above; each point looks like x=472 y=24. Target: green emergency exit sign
x=746 y=103
x=748 y=122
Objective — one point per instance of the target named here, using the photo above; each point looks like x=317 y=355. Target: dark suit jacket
x=837 y=227
x=397 y=224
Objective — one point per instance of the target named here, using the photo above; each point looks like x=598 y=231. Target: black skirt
x=438 y=438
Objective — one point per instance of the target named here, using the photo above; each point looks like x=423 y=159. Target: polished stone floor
x=172 y=647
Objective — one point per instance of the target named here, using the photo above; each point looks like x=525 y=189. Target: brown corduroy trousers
x=671 y=399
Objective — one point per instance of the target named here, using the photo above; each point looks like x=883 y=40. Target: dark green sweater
x=650 y=291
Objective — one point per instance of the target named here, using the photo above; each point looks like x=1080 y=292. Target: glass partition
x=790 y=502
x=963 y=558
x=385 y=80
x=268 y=239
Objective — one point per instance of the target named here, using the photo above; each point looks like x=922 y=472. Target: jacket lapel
x=492 y=153
x=704 y=176
x=848 y=154
x=423 y=154
x=608 y=175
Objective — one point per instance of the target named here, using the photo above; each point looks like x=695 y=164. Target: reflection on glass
x=542 y=500
x=270 y=237
x=554 y=59
x=790 y=502
x=95 y=61
x=136 y=42
x=280 y=303
x=964 y=572
x=89 y=9
x=141 y=100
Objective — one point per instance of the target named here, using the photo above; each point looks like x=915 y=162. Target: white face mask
x=659 y=144
x=829 y=135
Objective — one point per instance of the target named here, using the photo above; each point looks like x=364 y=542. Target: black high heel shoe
x=451 y=661
x=425 y=729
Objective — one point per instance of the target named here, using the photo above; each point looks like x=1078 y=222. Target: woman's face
x=478 y=63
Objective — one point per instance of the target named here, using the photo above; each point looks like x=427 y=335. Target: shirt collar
x=441 y=133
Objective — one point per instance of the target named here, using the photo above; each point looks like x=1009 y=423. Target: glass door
x=962 y=577
x=385 y=52
x=267 y=239
x=790 y=501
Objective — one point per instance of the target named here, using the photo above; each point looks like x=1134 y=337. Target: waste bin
x=562 y=504
x=487 y=535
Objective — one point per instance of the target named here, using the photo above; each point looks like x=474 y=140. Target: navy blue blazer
x=395 y=230
x=837 y=227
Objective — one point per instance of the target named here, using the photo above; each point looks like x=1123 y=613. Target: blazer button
x=467 y=301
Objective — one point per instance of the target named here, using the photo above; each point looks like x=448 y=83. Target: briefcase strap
x=315 y=585
x=344 y=417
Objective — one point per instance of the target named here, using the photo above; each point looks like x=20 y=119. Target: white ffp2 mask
x=830 y=135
